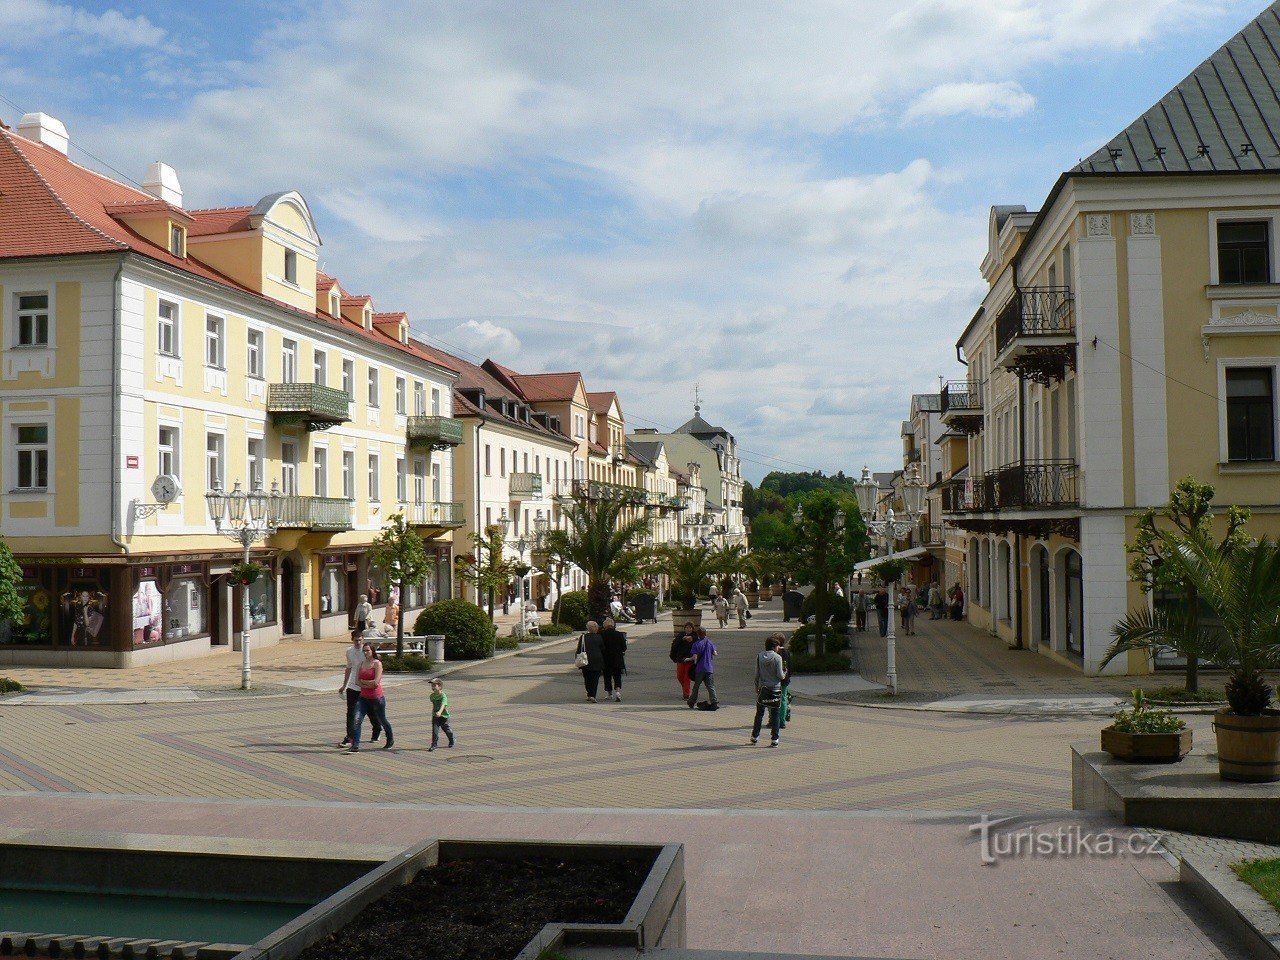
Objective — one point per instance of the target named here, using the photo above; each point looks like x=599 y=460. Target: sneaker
x=389 y=744
x=431 y=749
x=591 y=699
x=452 y=744
x=773 y=743
x=346 y=742
x=353 y=749
x=754 y=741
x=374 y=738
x=617 y=697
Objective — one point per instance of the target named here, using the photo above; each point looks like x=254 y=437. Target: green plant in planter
x=890 y=570
x=1143 y=718
x=9 y=685
x=247 y=573
x=690 y=570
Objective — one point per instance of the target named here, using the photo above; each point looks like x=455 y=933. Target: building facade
x=144 y=342
x=1130 y=336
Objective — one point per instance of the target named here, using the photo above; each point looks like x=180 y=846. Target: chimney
x=45 y=129
x=162 y=183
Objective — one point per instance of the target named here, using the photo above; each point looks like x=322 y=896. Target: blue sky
x=783 y=203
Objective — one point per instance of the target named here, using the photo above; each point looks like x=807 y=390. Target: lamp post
x=889 y=530
x=248 y=517
x=520 y=546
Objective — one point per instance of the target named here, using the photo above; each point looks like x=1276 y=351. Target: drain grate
x=470 y=758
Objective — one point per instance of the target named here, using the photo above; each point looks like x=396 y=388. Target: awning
x=911 y=554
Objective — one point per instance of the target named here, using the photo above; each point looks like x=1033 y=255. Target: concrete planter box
x=656 y=918
x=1146 y=747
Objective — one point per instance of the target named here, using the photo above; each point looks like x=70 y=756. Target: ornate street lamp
x=889 y=531
x=248 y=518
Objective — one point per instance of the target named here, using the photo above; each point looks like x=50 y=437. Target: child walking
x=439 y=714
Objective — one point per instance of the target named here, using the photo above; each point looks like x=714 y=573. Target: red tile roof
x=543 y=387
x=395 y=316
x=324 y=281
x=51 y=206
x=219 y=220
x=601 y=401
x=153 y=206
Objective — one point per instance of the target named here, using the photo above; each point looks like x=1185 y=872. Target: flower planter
x=1146 y=747
x=681 y=617
x=1248 y=747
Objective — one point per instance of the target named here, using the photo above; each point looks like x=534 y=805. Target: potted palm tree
x=690 y=569
x=1241 y=585
x=603 y=543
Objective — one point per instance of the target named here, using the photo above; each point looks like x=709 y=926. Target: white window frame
x=1223 y=452
x=349 y=378
x=320 y=367
x=215 y=341
x=374 y=388
x=349 y=474
x=169 y=327
x=35 y=452
x=291 y=267
x=169 y=455
x=402 y=481
x=375 y=489
x=435 y=483
x=255 y=345
x=256 y=462
x=289 y=467
x=402 y=405
x=289 y=361
x=419 y=398
x=419 y=479
x=215 y=457
x=35 y=315
x=435 y=401
x=320 y=471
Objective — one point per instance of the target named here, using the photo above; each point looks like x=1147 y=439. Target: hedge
x=8 y=685
x=409 y=663
x=468 y=632
x=837 y=607
x=556 y=630
x=574 y=609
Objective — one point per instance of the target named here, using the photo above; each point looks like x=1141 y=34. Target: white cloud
x=1004 y=99
x=23 y=22
x=484 y=338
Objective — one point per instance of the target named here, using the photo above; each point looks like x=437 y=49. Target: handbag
x=580 y=661
x=768 y=698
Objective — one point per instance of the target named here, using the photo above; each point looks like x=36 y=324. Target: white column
x=1100 y=421
x=1105 y=587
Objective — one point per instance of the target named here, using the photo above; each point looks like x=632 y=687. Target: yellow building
x=146 y=342
x=1130 y=336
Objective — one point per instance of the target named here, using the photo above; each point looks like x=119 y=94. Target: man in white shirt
x=364 y=614
x=740 y=607
x=351 y=687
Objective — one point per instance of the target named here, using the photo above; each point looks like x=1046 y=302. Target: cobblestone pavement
x=528 y=738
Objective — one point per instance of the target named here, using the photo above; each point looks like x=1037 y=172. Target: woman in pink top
x=372 y=702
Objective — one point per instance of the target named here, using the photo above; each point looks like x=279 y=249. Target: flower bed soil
x=484 y=909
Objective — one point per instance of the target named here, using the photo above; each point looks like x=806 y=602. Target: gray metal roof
x=646 y=451
x=1224 y=117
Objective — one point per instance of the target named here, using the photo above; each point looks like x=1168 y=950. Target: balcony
x=437 y=515
x=930 y=534
x=525 y=486
x=1036 y=333
x=311 y=404
x=432 y=433
x=1036 y=485
x=322 y=514
x=600 y=490
x=962 y=405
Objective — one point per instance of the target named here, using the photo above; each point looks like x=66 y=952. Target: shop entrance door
x=289 y=596
x=217 y=603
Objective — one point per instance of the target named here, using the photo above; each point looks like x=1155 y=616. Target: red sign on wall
x=131 y=462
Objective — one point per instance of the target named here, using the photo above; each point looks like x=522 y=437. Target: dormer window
x=335 y=305
x=368 y=318
x=177 y=240
x=291 y=266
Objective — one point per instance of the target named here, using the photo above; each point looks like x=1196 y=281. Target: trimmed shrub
x=837 y=607
x=9 y=686
x=507 y=643
x=556 y=630
x=574 y=609
x=468 y=632
x=826 y=663
x=409 y=663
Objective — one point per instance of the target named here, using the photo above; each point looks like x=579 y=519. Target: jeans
x=684 y=673
x=884 y=623
x=375 y=709
x=353 y=697
x=704 y=677
x=439 y=724
x=860 y=620
x=775 y=718
x=591 y=680
x=612 y=677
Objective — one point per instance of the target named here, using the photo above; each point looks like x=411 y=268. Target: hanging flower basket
x=247 y=573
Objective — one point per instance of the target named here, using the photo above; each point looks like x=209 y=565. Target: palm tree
x=602 y=543
x=1242 y=586
x=689 y=569
x=730 y=561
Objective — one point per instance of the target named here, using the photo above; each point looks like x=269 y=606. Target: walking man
x=351 y=689
x=882 y=610
x=702 y=656
x=740 y=607
x=860 y=603
x=770 y=674
x=722 y=610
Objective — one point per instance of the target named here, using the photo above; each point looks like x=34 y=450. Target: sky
x=784 y=204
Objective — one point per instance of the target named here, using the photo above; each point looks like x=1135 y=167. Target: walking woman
x=591 y=655
x=681 y=653
x=614 y=644
x=907 y=610
x=373 y=701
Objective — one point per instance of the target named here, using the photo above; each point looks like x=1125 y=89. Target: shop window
x=333 y=589
x=84 y=608
x=185 y=608
x=262 y=600
x=148 y=614
x=35 y=627
x=1244 y=252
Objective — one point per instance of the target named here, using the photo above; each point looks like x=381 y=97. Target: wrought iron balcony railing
x=600 y=490
x=1036 y=484
x=316 y=513
x=1036 y=312
x=525 y=486
x=433 y=433
x=930 y=534
x=316 y=406
x=962 y=396
x=442 y=514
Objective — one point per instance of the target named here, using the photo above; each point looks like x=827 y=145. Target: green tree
x=773 y=530
x=830 y=539
x=400 y=553
x=1190 y=514
x=690 y=569
x=553 y=554
x=485 y=567
x=603 y=544
x=12 y=607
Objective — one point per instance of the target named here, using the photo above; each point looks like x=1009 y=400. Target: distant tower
x=697 y=406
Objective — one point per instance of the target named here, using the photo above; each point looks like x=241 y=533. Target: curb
x=930 y=708
x=1236 y=904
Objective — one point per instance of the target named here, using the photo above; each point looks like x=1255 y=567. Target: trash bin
x=791 y=602
x=435 y=647
x=646 y=607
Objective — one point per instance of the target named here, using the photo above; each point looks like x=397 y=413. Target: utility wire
x=79 y=149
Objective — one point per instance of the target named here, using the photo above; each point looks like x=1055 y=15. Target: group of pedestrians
x=366 y=698
x=602 y=651
x=734 y=604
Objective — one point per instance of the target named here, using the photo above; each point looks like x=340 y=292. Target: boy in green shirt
x=439 y=714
